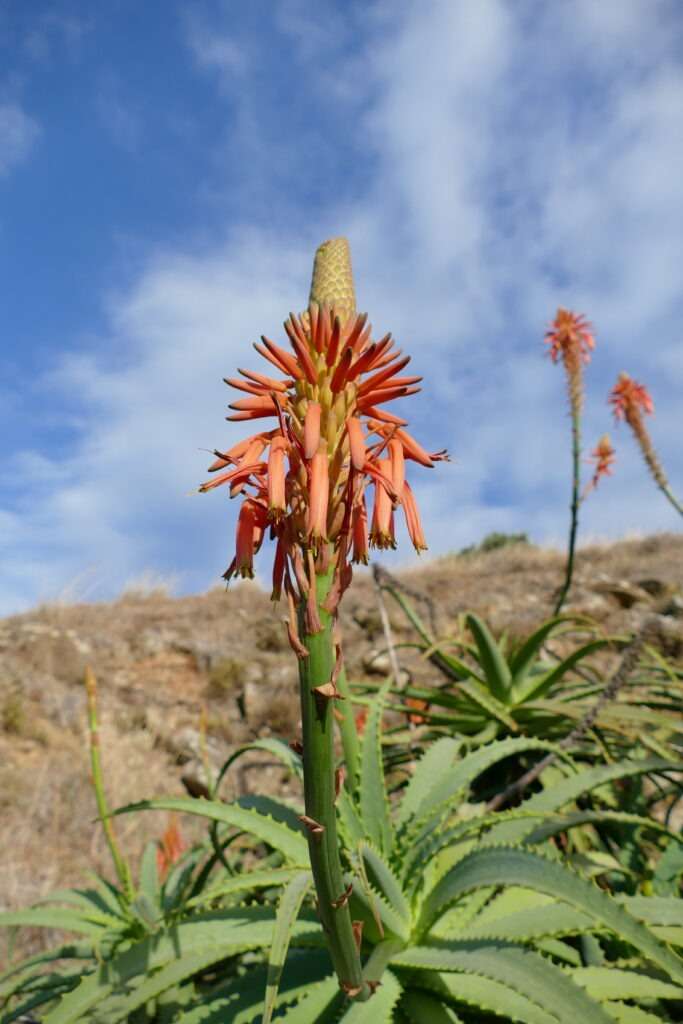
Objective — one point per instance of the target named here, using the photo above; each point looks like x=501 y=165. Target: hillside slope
x=160 y=660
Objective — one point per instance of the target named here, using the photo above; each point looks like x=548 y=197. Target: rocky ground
x=162 y=663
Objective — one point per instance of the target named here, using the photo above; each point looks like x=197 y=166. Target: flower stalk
x=571 y=340
x=630 y=400
x=304 y=483
x=120 y=864
x=319 y=699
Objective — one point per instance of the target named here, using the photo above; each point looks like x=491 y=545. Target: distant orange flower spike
x=603 y=455
x=628 y=397
x=570 y=335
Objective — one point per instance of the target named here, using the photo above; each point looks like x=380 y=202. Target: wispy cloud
x=55 y=30
x=215 y=50
x=19 y=133
x=119 y=113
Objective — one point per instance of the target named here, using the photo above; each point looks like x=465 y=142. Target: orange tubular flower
x=603 y=455
x=382 y=530
x=629 y=399
x=170 y=847
x=305 y=479
x=276 y=478
x=570 y=337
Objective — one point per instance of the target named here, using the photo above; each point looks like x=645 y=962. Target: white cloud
x=216 y=51
x=18 y=134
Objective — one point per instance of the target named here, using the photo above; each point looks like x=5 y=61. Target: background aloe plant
x=486 y=687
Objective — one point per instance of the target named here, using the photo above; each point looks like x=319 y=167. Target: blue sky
x=166 y=173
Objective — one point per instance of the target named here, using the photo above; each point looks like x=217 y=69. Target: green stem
x=349 y=734
x=574 y=525
x=120 y=864
x=317 y=715
x=674 y=501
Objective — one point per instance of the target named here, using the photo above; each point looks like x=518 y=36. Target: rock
x=669 y=633
x=654 y=587
x=156 y=640
x=594 y=605
x=673 y=607
x=185 y=744
x=625 y=592
x=378 y=663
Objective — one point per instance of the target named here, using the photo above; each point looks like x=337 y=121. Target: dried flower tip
x=293 y=636
x=313 y=826
x=328 y=691
x=349 y=989
x=342 y=900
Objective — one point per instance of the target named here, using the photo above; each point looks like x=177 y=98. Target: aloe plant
x=494 y=689
x=459 y=911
